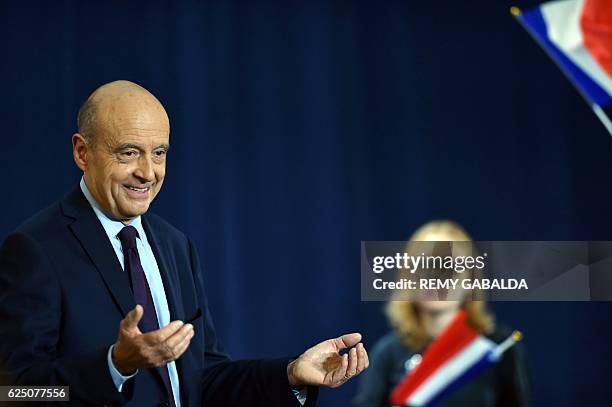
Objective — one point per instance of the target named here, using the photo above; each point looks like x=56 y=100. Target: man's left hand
x=322 y=365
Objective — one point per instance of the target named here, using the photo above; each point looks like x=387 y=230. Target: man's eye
x=128 y=154
x=160 y=153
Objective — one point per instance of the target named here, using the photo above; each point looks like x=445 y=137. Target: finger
x=131 y=320
x=346 y=341
x=361 y=358
x=160 y=335
x=183 y=345
x=176 y=338
x=168 y=354
x=339 y=375
x=351 y=370
x=367 y=358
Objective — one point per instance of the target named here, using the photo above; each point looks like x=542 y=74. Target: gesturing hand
x=322 y=364
x=134 y=350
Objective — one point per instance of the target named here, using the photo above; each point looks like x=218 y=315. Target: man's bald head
x=113 y=100
x=121 y=147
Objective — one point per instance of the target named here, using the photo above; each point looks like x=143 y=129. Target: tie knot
x=128 y=236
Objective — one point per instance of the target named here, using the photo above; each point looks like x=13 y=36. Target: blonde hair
x=404 y=316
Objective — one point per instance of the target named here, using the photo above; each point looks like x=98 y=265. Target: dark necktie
x=142 y=293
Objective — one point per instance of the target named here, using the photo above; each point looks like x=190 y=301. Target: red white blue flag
x=456 y=356
x=577 y=34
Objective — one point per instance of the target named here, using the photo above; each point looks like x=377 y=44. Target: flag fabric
x=577 y=35
x=456 y=356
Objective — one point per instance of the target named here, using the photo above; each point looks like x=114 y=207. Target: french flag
x=577 y=34
x=457 y=355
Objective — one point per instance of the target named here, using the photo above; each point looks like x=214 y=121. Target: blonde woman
x=417 y=323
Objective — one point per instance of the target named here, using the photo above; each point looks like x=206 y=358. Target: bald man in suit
x=102 y=296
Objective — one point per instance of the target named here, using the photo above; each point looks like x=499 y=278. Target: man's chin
x=133 y=212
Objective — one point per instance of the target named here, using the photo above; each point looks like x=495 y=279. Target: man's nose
x=144 y=171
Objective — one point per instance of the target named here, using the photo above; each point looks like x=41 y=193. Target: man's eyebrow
x=126 y=146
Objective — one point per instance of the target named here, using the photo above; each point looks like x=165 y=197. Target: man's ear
x=79 y=151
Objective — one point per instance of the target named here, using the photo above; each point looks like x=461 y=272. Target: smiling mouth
x=137 y=189
x=137 y=192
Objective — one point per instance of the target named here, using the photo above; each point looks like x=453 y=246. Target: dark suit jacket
x=63 y=294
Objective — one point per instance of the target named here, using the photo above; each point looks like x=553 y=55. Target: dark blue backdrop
x=301 y=128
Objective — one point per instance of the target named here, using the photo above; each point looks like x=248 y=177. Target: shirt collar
x=111 y=226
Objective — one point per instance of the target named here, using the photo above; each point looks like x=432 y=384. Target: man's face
x=127 y=163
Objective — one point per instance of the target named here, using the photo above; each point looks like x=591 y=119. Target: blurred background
x=300 y=128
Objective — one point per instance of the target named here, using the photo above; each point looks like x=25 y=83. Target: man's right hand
x=134 y=350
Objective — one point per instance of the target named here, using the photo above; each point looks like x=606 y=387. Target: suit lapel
x=90 y=233
x=171 y=284
x=168 y=273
